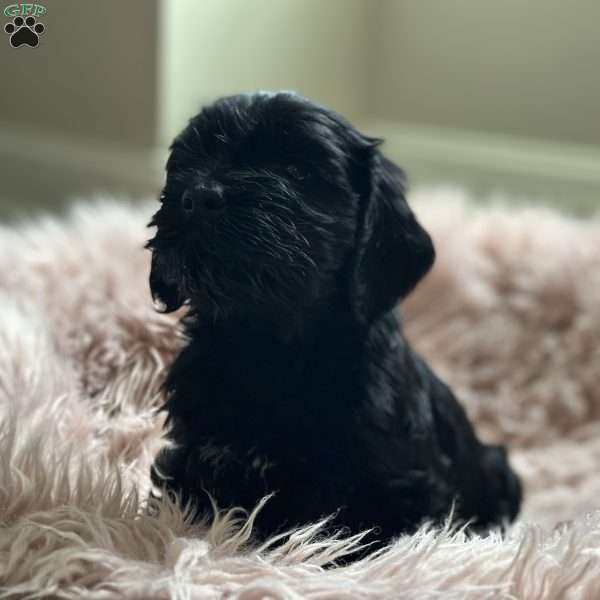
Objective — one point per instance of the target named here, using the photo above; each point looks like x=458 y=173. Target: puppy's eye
x=162 y=197
x=296 y=172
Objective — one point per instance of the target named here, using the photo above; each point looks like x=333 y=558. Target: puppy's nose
x=203 y=202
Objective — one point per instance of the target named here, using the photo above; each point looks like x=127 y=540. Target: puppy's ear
x=393 y=251
x=164 y=289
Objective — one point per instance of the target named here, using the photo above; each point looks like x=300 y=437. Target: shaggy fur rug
x=509 y=317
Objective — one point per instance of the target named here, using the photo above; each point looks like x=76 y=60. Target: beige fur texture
x=509 y=317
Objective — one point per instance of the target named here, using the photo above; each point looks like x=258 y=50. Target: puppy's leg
x=168 y=473
x=489 y=490
x=207 y=472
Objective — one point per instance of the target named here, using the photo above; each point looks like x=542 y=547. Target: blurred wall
x=491 y=96
x=94 y=106
x=94 y=73
x=79 y=113
x=212 y=48
x=527 y=68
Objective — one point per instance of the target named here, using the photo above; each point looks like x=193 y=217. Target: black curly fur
x=287 y=233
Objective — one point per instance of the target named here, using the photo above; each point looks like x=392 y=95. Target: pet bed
x=508 y=317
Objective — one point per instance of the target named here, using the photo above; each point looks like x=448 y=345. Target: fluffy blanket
x=509 y=317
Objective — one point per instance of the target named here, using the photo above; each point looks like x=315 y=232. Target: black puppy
x=287 y=233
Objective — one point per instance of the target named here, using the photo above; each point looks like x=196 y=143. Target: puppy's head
x=273 y=204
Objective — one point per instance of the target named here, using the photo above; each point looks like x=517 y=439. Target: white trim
x=494 y=152
x=564 y=174
x=130 y=165
x=550 y=172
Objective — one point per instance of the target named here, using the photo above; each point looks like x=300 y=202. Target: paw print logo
x=24 y=32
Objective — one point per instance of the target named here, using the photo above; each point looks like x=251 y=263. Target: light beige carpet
x=510 y=317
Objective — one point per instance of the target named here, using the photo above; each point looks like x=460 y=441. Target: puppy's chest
x=270 y=402
x=277 y=402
